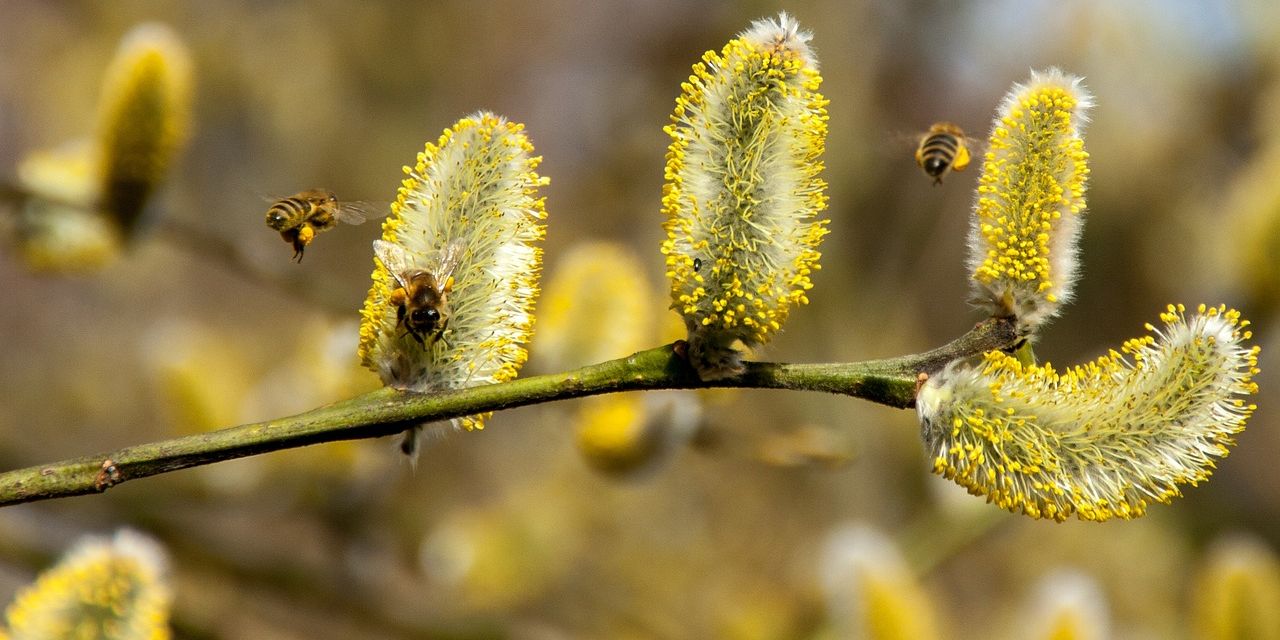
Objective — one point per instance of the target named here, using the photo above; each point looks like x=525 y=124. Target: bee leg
x=439 y=337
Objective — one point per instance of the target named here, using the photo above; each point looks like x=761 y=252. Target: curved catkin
x=742 y=192
x=113 y=589
x=1029 y=210
x=1102 y=440
x=475 y=188
x=144 y=119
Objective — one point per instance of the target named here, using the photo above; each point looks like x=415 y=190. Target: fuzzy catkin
x=743 y=192
x=1102 y=440
x=1029 y=212
x=476 y=188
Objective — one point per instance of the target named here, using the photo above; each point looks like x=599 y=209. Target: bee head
x=424 y=318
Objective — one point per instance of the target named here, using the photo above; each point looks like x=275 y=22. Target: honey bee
x=942 y=149
x=302 y=215
x=422 y=300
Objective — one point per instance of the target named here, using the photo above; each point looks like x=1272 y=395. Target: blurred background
x=725 y=514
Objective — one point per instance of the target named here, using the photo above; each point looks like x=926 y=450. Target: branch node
x=108 y=476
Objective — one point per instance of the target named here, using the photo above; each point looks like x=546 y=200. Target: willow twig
x=384 y=412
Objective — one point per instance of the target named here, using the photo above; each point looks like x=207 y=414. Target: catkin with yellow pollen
x=475 y=188
x=1029 y=211
x=87 y=196
x=113 y=589
x=144 y=119
x=743 y=192
x=1102 y=440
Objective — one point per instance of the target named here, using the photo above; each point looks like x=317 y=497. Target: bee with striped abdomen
x=302 y=215
x=942 y=149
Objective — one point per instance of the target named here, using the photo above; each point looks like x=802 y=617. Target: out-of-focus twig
x=387 y=411
x=216 y=249
x=211 y=247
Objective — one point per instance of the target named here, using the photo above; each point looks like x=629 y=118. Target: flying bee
x=302 y=215
x=422 y=300
x=942 y=149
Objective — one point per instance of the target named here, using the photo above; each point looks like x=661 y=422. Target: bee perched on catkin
x=456 y=270
x=743 y=192
x=1029 y=210
x=1102 y=440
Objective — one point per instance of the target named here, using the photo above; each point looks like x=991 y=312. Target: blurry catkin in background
x=871 y=592
x=144 y=119
x=102 y=589
x=86 y=197
x=597 y=305
x=1236 y=593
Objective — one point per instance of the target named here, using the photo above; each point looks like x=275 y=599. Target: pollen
x=743 y=192
x=1102 y=440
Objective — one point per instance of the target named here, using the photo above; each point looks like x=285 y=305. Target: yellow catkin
x=597 y=305
x=1102 y=440
x=871 y=591
x=1028 y=215
x=1066 y=605
x=1236 y=592
x=101 y=590
x=144 y=119
x=475 y=188
x=743 y=192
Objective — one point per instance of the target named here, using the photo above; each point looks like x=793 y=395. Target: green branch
x=384 y=412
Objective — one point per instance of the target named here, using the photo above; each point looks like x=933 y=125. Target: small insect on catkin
x=463 y=233
x=1102 y=440
x=1029 y=210
x=742 y=192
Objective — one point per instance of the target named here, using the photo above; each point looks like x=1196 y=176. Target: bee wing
x=358 y=211
x=450 y=256
x=394 y=259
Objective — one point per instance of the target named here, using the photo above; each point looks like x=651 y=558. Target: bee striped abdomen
x=941 y=150
x=287 y=213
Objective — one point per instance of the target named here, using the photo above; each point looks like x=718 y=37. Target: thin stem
x=384 y=412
